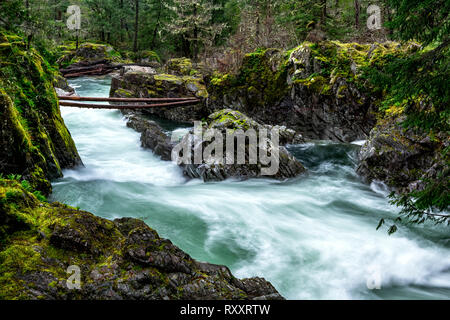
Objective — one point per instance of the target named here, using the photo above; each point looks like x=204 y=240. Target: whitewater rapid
x=313 y=237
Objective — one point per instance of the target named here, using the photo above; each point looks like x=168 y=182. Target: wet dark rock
x=34 y=141
x=62 y=87
x=147 y=83
x=401 y=158
x=219 y=168
x=152 y=135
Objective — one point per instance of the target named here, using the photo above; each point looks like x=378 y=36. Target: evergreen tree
x=192 y=21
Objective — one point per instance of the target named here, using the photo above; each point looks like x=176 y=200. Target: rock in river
x=219 y=150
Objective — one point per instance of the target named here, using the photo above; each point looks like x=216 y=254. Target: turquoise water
x=313 y=237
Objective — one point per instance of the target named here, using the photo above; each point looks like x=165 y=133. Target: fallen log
x=124 y=107
x=81 y=69
x=97 y=72
x=102 y=65
x=112 y=99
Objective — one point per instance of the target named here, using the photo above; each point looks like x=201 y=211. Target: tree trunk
x=195 y=44
x=324 y=12
x=357 y=12
x=28 y=24
x=136 y=26
x=121 y=20
x=155 y=31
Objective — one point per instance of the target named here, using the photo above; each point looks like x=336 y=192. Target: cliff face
x=34 y=141
x=317 y=89
x=120 y=259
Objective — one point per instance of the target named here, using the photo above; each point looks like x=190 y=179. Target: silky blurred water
x=313 y=237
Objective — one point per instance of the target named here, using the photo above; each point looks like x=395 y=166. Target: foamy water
x=313 y=237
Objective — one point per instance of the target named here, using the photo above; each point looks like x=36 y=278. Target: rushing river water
x=313 y=237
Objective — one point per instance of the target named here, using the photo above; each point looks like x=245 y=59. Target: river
x=313 y=237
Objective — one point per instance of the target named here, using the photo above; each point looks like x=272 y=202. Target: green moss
x=196 y=86
x=147 y=55
x=169 y=78
x=124 y=93
x=182 y=66
x=35 y=130
x=262 y=75
x=230 y=119
x=315 y=83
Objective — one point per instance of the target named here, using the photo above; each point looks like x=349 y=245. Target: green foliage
x=423 y=205
x=418 y=85
x=14 y=176
x=40 y=196
x=26 y=185
x=193 y=21
x=13 y=13
x=422 y=20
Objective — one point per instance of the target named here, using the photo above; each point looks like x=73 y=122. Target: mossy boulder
x=147 y=56
x=181 y=67
x=404 y=159
x=34 y=141
x=250 y=141
x=90 y=53
x=259 y=83
x=120 y=259
x=150 y=84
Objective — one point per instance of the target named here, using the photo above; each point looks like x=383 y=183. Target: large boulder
x=120 y=259
x=148 y=83
x=402 y=158
x=243 y=160
x=34 y=141
x=152 y=135
x=89 y=54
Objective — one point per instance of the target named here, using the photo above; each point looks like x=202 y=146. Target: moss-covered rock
x=250 y=141
x=120 y=259
x=181 y=67
x=318 y=89
x=89 y=53
x=35 y=142
x=149 y=84
x=147 y=56
x=405 y=159
x=260 y=83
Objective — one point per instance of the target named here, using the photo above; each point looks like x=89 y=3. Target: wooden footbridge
x=137 y=103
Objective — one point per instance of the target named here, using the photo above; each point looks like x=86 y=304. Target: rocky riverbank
x=34 y=142
x=39 y=241
x=120 y=259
